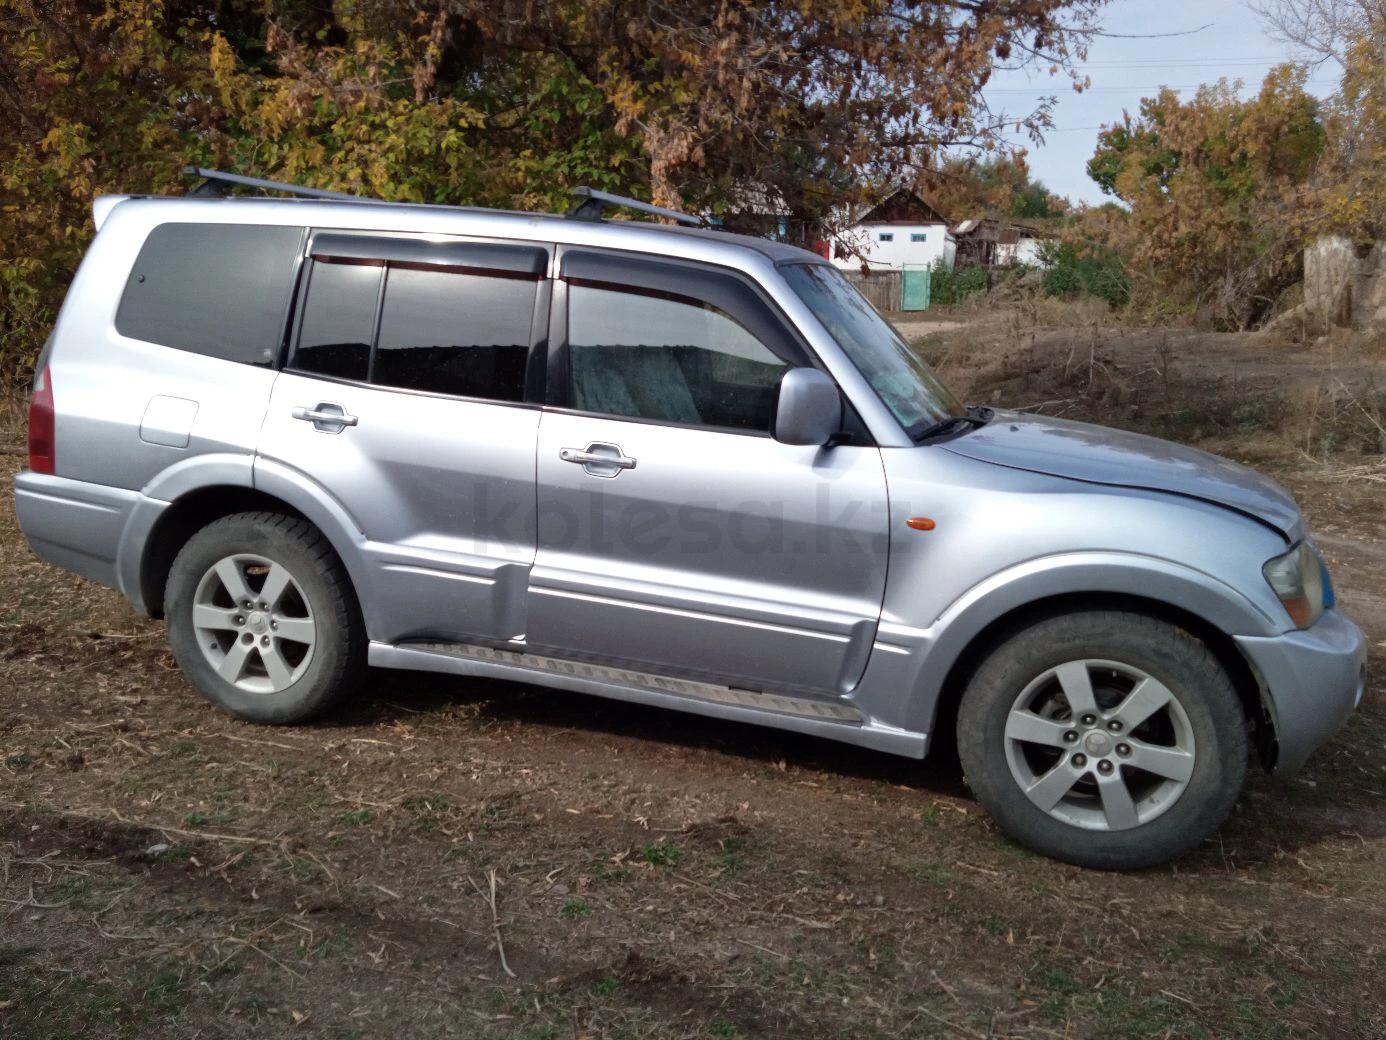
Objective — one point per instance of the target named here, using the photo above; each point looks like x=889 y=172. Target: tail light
x=42 y=457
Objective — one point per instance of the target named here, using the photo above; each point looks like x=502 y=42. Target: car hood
x=1098 y=455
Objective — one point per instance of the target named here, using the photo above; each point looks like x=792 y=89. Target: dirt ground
x=483 y=859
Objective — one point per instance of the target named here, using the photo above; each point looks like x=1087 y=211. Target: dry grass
x=14 y=417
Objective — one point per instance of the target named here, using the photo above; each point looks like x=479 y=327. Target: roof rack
x=217 y=182
x=595 y=202
x=591 y=207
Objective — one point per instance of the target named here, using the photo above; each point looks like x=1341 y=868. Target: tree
x=1351 y=185
x=996 y=186
x=1216 y=188
x=1326 y=30
x=1352 y=181
x=694 y=103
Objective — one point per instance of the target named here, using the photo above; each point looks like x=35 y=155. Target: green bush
x=948 y=286
x=1094 y=271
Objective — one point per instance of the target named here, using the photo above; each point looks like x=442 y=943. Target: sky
x=1234 y=45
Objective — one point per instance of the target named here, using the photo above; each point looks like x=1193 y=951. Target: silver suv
x=666 y=465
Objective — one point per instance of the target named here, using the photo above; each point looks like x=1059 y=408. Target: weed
x=932 y=816
x=20 y=761
x=1057 y=980
x=661 y=854
x=427 y=804
x=166 y=991
x=994 y=925
x=729 y=859
x=929 y=873
x=338 y=944
x=575 y=909
x=355 y=818
x=606 y=985
x=723 y=1029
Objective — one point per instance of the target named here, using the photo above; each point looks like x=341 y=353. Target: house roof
x=988 y=227
x=902 y=206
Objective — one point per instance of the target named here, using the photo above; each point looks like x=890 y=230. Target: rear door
x=675 y=534
x=404 y=397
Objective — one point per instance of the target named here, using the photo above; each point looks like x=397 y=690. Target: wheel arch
x=230 y=488
x=184 y=517
x=1219 y=642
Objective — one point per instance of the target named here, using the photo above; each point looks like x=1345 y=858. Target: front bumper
x=1313 y=680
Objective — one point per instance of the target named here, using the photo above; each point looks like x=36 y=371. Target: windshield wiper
x=975 y=415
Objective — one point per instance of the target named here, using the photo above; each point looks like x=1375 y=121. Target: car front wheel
x=1106 y=739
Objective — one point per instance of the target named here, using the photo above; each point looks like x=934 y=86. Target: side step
x=832 y=720
x=710 y=693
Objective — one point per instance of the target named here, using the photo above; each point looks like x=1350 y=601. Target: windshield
x=909 y=388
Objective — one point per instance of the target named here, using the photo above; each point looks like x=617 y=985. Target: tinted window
x=215 y=289
x=339 y=319
x=667 y=358
x=455 y=333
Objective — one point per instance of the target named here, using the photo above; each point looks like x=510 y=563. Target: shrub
x=952 y=285
x=1094 y=271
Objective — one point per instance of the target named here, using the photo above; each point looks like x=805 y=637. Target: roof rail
x=595 y=202
x=217 y=182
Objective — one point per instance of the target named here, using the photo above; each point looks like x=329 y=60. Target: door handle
x=597 y=456
x=326 y=417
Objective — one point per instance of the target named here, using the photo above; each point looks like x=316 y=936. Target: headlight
x=1300 y=579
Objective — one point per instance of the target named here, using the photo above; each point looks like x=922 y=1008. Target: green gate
x=914 y=287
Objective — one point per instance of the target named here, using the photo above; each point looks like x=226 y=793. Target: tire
x=285 y=664
x=1195 y=741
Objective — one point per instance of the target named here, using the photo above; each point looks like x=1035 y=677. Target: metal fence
x=881 y=288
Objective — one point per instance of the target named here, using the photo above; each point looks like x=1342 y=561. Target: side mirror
x=810 y=408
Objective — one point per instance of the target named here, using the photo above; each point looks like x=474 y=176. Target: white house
x=901 y=230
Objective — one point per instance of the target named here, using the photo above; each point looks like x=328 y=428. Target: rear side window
x=216 y=289
x=443 y=316
x=455 y=333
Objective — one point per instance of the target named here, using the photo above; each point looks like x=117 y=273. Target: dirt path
x=167 y=871
x=912 y=328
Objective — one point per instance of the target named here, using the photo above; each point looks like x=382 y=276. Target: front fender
x=909 y=665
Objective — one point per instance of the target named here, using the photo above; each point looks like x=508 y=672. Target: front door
x=404 y=399
x=675 y=534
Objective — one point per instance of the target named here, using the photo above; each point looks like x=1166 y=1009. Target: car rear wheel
x=263 y=620
x=1106 y=739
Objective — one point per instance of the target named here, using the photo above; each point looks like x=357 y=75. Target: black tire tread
x=345 y=669
x=1180 y=829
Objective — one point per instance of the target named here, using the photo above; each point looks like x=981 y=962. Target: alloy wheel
x=254 y=623
x=1100 y=745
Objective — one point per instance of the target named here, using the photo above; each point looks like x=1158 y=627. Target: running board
x=648 y=682
x=833 y=720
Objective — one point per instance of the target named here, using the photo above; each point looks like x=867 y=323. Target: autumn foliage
x=722 y=105
x=1218 y=190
